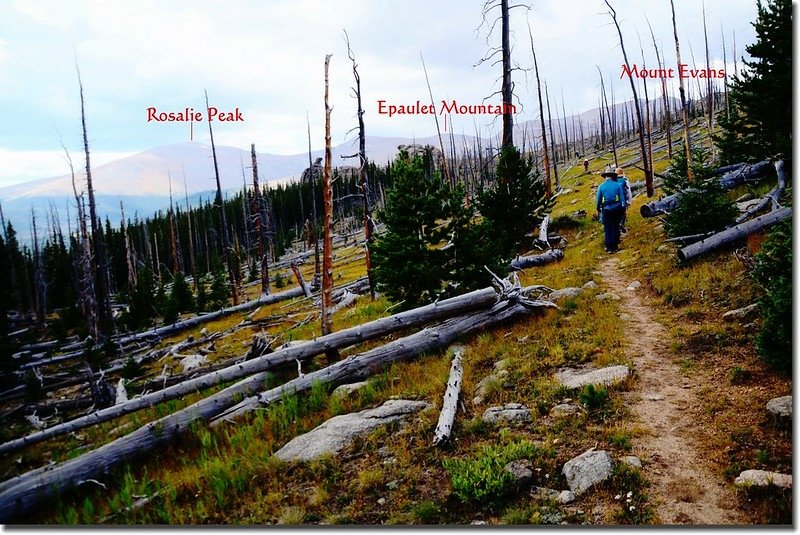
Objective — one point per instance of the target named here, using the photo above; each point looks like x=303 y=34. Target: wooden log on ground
x=450 y=402
x=736 y=177
x=732 y=234
x=771 y=198
x=189 y=323
x=359 y=367
x=347 y=337
x=21 y=494
x=524 y=262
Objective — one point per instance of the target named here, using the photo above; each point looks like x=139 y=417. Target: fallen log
x=542 y=240
x=736 y=177
x=524 y=262
x=300 y=281
x=304 y=350
x=189 y=323
x=771 y=198
x=732 y=234
x=359 y=367
x=21 y=494
x=450 y=402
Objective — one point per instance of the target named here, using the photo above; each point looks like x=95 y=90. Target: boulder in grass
x=586 y=470
x=509 y=413
x=781 y=407
x=763 y=478
x=572 y=378
x=338 y=432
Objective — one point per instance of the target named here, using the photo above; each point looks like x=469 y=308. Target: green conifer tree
x=760 y=122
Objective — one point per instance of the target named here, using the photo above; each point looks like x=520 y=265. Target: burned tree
x=327 y=219
x=260 y=220
x=362 y=169
x=545 y=161
x=648 y=176
x=684 y=110
x=219 y=201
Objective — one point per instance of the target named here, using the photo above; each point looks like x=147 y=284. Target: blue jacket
x=610 y=195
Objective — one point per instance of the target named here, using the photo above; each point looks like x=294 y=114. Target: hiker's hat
x=608 y=173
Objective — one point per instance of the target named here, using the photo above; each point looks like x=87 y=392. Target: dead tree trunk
x=667 y=122
x=732 y=234
x=173 y=241
x=709 y=84
x=102 y=303
x=545 y=162
x=684 y=110
x=192 y=267
x=611 y=122
x=648 y=176
x=362 y=171
x=258 y=214
x=361 y=366
x=130 y=261
x=524 y=262
x=327 y=218
x=738 y=175
x=20 y=494
x=220 y=202
x=450 y=401
x=552 y=138
x=507 y=89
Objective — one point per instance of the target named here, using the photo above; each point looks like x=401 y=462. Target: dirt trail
x=684 y=489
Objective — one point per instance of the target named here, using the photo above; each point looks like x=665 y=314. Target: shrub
x=773 y=271
x=593 y=397
x=703 y=206
x=485 y=478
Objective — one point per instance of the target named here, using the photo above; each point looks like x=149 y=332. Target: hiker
x=586 y=165
x=626 y=188
x=611 y=206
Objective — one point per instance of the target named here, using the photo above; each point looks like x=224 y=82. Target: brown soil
x=685 y=489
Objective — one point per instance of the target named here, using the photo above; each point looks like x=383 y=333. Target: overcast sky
x=266 y=58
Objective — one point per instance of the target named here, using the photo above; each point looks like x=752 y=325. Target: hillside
x=696 y=397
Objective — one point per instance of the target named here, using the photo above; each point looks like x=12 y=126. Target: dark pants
x=611 y=222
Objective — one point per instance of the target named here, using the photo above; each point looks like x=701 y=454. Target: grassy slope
x=228 y=474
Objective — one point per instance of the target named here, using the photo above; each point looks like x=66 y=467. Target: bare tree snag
x=299 y=276
x=732 y=234
x=312 y=178
x=362 y=170
x=648 y=176
x=102 y=303
x=684 y=109
x=611 y=123
x=709 y=83
x=220 y=202
x=545 y=162
x=450 y=401
x=191 y=267
x=327 y=199
x=445 y=170
x=508 y=119
x=553 y=139
x=667 y=122
x=258 y=214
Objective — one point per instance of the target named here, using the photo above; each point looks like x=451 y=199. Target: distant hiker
x=626 y=187
x=586 y=165
x=611 y=206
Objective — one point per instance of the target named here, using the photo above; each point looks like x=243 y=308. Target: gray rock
x=510 y=412
x=587 y=469
x=564 y=293
x=338 y=432
x=478 y=523
x=633 y=286
x=591 y=285
x=392 y=485
x=607 y=297
x=348 y=390
x=781 y=406
x=572 y=378
x=762 y=478
x=565 y=496
x=521 y=470
x=631 y=460
x=381 y=501
x=565 y=409
x=740 y=314
x=663 y=249
x=193 y=361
